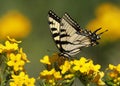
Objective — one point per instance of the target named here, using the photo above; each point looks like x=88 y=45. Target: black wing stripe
x=55 y=35
x=65 y=42
x=64 y=35
x=49 y=22
x=57 y=41
x=62 y=30
x=53 y=29
x=54 y=16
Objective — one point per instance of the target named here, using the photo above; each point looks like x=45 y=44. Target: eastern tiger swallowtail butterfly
x=69 y=36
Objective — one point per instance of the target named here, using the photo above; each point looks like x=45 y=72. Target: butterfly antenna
x=102 y=32
x=97 y=30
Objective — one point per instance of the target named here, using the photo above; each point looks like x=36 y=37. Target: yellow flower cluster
x=8 y=47
x=66 y=72
x=113 y=78
x=85 y=66
x=14 y=60
x=107 y=17
x=60 y=71
x=52 y=76
x=14 y=24
x=22 y=80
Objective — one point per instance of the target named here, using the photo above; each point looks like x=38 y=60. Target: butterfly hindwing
x=74 y=41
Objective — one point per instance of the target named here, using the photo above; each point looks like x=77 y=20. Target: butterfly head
x=95 y=37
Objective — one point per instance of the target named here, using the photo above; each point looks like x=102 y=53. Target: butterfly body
x=69 y=36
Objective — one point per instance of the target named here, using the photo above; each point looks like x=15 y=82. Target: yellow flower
x=107 y=17
x=65 y=67
x=23 y=55
x=45 y=60
x=52 y=81
x=46 y=72
x=2 y=47
x=115 y=70
x=21 y=80
x=98 y=79
x=10 y=46
x=50 y=76
x=16 y=62
x=69 y=76
x=111 y=67
x=97 y=67
x=88 y=70
x=57 y=75
x=29 y=81
x=14 y=24
x=81 y=61
x=114 y=74
x=93 y=67
x=12 y=40
x=118 y=68
x=52 y=71
x=89 y=67
x=79 y=64
x=84 y=68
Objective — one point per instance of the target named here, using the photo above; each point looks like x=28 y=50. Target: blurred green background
x=39 y=42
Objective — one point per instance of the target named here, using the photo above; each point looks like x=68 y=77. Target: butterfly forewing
x=54 y=24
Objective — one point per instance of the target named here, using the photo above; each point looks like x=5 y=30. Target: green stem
x=2 y=81
x=3 y=75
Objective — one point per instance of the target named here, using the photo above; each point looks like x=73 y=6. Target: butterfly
x=69 y=36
